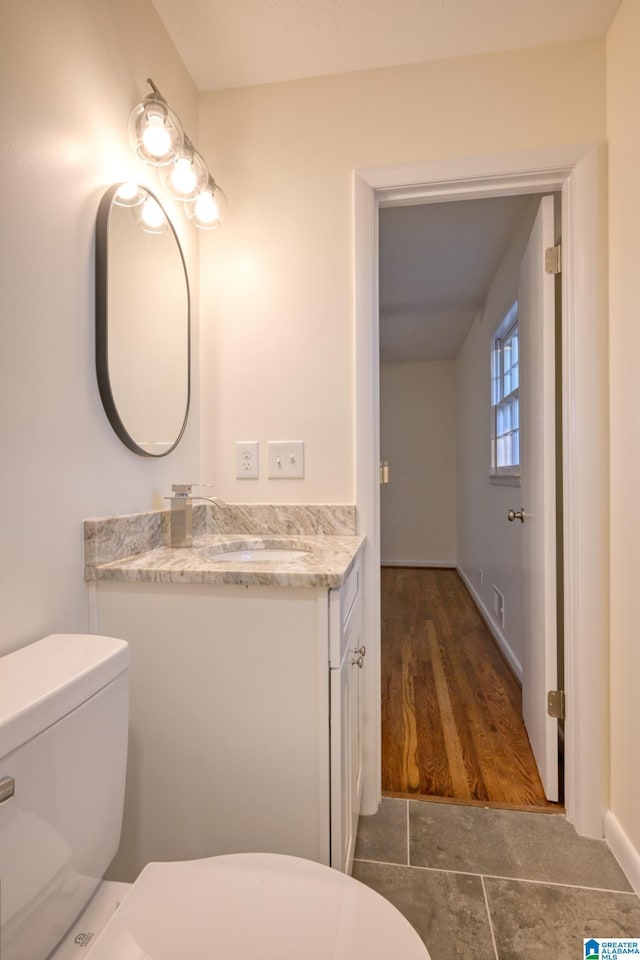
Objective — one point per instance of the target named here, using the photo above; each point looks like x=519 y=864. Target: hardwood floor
x=452 y=724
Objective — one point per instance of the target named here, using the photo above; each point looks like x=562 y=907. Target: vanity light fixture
x=155 y=131
x=159 y=138
x=188 y=175
x=209 y=207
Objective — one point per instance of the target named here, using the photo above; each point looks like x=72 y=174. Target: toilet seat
x=249 y=905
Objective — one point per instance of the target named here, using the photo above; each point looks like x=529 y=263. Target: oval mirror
x=142 y=321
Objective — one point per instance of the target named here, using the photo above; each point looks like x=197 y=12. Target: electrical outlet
x=285 y=459
x=247 y=466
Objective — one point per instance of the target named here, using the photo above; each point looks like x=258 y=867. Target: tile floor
x=494 y=884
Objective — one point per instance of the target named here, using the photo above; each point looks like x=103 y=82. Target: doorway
x=455 y=595
x=579 y=173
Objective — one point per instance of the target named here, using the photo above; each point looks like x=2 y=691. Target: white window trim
x=505 y=479
x=506 y=474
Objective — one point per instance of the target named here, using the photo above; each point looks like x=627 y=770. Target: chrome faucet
x=182 y=513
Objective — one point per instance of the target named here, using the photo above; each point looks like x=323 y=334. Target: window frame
x=508 y=473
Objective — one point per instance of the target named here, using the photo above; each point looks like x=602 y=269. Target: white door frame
x=579 y=172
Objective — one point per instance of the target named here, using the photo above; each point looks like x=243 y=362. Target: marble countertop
x=328 y=562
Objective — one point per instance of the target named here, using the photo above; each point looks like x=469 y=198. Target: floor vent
x=498 y=606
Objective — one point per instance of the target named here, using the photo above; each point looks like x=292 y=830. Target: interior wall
x=623 y=104
x=71 y=71
x=488 y=546
x=417 y=437
x=277 y=282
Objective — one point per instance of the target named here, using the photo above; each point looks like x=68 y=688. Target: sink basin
x=259 y=554
x=253 y=552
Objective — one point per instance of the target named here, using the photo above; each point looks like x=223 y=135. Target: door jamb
x=579 y=173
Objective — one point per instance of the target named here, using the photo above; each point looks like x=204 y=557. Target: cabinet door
x=229 y=700
x=346 y=762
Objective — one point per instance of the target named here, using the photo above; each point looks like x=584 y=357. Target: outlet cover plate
x=247 y=466
x=285 y=459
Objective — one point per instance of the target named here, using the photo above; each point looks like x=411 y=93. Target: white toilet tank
x=63 y=751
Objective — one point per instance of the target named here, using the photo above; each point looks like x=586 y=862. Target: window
x=505 y=397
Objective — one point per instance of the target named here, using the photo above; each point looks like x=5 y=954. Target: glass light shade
x=129 y=194
x=187 y=176
x=151 y=217
x=155 y=132
x=208 y=209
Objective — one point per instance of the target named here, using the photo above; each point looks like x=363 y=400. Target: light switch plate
x=285 y=459
x=247 y=466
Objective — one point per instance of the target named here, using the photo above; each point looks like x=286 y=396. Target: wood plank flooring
x=452 y=724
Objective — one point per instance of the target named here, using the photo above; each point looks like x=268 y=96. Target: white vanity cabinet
x=244 y=719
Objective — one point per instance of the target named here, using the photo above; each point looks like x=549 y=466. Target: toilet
x=63 y=746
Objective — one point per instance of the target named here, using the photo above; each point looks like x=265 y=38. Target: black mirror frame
x=102 y=325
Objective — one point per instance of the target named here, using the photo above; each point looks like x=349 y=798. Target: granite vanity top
x=327 y=564
x=123 y=549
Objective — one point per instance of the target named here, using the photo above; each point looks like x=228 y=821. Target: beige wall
x=277 y=285
x=418 y=438
x=623 y=107
x=70 y=72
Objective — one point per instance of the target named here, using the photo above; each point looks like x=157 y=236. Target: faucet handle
x=181 y=489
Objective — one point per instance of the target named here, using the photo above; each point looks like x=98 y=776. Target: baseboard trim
x=492 y=627
x=441 y=564
x=622 y=849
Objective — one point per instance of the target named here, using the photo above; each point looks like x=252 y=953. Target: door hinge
x=555 y=704
x=552 y=259
x=384 y=472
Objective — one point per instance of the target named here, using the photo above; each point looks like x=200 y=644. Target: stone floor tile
x=447 y=910
x=383 y=836
x=509 y=843
x=536 y=921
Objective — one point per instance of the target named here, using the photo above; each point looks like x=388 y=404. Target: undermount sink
x=253 y=552
x=259 y=554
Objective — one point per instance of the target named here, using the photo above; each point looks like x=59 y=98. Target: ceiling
x=437 y=261
x=233 y=43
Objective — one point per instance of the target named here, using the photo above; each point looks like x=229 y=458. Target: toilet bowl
x=63 y=739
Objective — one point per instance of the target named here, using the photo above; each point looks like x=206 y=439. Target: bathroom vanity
x=245 y=715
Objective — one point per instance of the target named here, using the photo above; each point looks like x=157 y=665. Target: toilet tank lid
x=43 y=682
